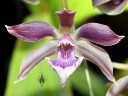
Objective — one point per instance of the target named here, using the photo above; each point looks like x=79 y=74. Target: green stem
x=121 y=66
x=64 y=4
x=88 y=80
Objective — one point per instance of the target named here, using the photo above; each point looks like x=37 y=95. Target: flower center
x=65 y=46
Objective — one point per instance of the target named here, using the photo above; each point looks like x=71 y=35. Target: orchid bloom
x=110 y=7
x=71 y=45
x=122 y=86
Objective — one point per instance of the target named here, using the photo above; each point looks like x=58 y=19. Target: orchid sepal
x=97 y=56
x=99 y=34
x=34 y=57
x=32 y=31
x=66 y=18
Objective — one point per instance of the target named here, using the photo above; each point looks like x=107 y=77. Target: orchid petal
x=98 y=33
x=66 y=62
x=98 y=56
x=36 y=56
x=113 y=7
x=66 y=17
x=99 y=2
x=32 y=31
x=35 y=2
x=64 y=73
x=114 y=90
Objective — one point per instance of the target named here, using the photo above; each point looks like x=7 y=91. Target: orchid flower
x=110 y=7
x=115 y=90
x=71 y=45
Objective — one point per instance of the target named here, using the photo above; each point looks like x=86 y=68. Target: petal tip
x=63 y=84
x=18 y=80
x=15 y=82
x=9 y=29
x=114 y=81
x=6 y=26
x=121 y=37
x=81 y=58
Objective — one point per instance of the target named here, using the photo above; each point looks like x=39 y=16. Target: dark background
x=13 y=11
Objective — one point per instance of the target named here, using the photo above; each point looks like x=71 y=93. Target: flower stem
x=88 y=80
x=121 y=66
x=64 y=4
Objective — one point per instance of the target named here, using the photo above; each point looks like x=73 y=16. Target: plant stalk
x=120 y=66
x=64 y=4
x=88 y=80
